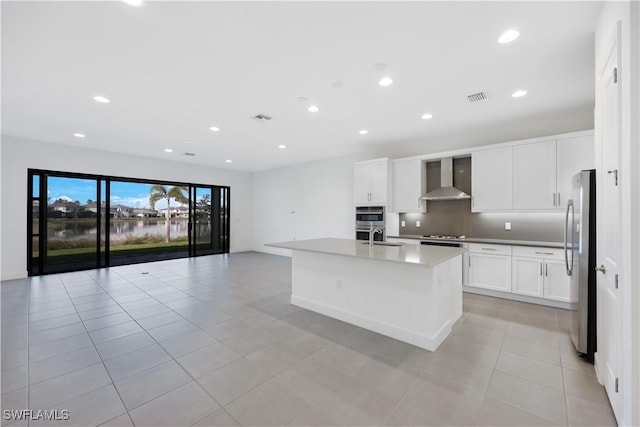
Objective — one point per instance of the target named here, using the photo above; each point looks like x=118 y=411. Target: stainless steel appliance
x=580 y=261
x=368 y=217
x=443 y=240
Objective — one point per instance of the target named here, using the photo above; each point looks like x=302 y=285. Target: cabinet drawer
x=534 y=252
x=483 y=248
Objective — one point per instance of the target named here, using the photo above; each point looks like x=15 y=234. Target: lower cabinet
x=540 y=272
x=490 y=267
x=523 y=270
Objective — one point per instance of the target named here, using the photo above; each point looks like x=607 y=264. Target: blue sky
x=134 y=195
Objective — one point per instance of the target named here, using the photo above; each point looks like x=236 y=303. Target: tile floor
x=214 y=341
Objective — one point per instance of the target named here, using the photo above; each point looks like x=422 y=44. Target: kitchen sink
x=384 y=244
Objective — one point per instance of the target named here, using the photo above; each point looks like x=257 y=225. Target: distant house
x=115 y=211
x=176 y=212
x=144 y=213
x=65 y=207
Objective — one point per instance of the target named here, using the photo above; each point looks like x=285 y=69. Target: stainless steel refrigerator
x=580 y=261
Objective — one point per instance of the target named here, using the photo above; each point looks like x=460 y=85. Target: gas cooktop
x=444 y=236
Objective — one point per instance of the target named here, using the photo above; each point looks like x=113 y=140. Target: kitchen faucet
x=372 y=233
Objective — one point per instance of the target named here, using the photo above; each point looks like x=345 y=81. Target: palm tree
x=158 y=192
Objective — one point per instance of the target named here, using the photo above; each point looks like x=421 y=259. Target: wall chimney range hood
x=446 y=191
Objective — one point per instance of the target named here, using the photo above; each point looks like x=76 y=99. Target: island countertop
x=427 y=256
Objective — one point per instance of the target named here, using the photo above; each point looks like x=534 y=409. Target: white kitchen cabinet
x=492 y=180
x=541 y=272
x=534 y=176
x=372 y=183
x=409 y=184
x=490 y=267
x=527 y=276
x=573 y=155
x=557 y=285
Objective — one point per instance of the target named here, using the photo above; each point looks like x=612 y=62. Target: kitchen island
x=412 y=293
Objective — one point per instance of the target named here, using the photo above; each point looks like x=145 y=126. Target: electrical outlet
x=507 y=226
x=402 y=224
x=417 y=223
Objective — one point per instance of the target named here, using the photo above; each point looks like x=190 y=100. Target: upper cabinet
x=529 y=176
x=574 y=154
x=372 y=182
x=492 y=180
x=534 y=176
x=409 y=184
x=543 y=171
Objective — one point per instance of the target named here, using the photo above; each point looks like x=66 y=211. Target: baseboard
x=516 y=297
x=14 y=276
x=429 y=343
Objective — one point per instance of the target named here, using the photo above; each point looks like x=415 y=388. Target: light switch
x=507 y=226
x=417 y=223
x=402 y=224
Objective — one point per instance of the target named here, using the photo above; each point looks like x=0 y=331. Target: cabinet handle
x=541 y=269
x=559 y=200
x=554 y=199
x=544 y=253
x=546 y=269
x=489 y=249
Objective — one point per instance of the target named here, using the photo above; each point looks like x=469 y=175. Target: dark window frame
x=103 y=257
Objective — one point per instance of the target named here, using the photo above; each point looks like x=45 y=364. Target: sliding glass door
x=79 y=222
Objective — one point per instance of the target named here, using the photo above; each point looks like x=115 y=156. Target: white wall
x=18 y=155
x=303 y=202
x=628 y=14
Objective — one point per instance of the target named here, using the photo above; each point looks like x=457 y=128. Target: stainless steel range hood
x=446 y=191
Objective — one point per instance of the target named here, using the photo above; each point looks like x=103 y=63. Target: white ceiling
x=173 y=69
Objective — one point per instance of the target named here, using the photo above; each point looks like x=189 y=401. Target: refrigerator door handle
x=566 y=239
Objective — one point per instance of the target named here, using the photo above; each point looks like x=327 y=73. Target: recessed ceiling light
x=168 y=150
x=508 y=36
x=519 y=93
x=380 y=66
x=102 y=99
x=214 y=128
x=79 y=135
x=313 y=109
x=426 y=116
x=282 y=146
x=227 y=161
x=336 y=85
x=136 y=3
x=385 y=81
x=363 y=132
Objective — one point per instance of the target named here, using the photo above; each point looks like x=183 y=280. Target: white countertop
x=428 y=256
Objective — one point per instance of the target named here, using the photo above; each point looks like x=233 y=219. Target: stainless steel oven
x=368 y=217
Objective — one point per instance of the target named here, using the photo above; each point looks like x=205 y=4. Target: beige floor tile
x=220 y=418
x=181 y=407
x=586 y=413
x=498 y=414
x=530 y=397
x=547 y=353
x=585 y=387
x=47 y=394
x=233 y=380
x=469 y=350
x=457 y=374
x=531 y=369
x=207 y=359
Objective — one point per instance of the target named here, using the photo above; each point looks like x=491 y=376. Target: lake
x=86 y=229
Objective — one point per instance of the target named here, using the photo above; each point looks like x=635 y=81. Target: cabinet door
x=362 y=173
x=492 y=180
x=527 y=276
x=490 y=271
x=557 y=285
x=378 y=182
x=534 y=167
x=409 y=182
x=574 y=155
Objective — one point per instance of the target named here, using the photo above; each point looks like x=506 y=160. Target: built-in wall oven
x=367 y=218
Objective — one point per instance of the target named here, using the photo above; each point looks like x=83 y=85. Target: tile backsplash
x=454 y=217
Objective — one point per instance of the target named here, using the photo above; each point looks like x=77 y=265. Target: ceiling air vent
x=189 y=154
x=261 y=118
x=477 y=97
